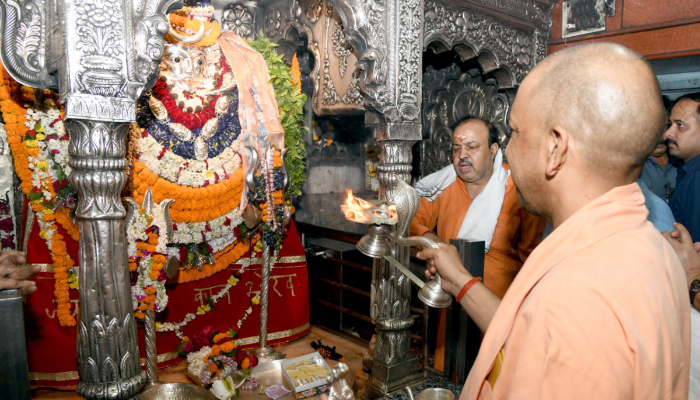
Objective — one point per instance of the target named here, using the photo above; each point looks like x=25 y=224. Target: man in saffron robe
x=474 y=199
x=599 y=310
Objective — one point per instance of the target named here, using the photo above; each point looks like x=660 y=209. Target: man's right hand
x=447 y=261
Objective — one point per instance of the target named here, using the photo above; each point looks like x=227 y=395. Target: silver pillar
x=108 y=356
x=388 y=38
x=100 y=56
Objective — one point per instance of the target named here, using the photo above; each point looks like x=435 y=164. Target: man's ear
x=557 y=145
x=494 y=149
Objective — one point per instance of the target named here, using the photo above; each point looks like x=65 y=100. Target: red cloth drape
x=51 y=347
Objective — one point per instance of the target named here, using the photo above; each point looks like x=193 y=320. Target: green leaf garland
x=290 y=101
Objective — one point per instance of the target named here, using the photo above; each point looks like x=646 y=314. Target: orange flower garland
x=296 y=72
x=191 y=204
x=224 y=258
x=14 y=116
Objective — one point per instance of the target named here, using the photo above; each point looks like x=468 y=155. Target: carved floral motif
x=238 y=20
x=273 y=21
x=341 y=48
x=410 y=52
x=353 y=95
x=100 y=34
x=29 y=39
x=314 y=9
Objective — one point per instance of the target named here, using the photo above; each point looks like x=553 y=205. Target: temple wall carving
x=334 y=75
x=497 y=46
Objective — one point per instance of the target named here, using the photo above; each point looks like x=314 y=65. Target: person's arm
x=479 y=302
x=425 y=220
x=687 y=252
x=531 y=231
x=691 y=207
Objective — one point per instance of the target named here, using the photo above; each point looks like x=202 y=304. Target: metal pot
x=431 y=394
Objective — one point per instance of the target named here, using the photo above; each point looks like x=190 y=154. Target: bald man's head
x=608 y=98
x=604 y=98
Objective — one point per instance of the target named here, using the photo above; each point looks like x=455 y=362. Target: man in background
x=475 y=199
x=658 y=173
x=684 y=143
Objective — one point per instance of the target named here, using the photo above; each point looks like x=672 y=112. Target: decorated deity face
x=185 y=64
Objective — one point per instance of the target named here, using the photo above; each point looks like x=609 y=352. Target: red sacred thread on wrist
x=466 y=287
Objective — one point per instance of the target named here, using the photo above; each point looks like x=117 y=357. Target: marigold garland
x=296 y=72
x=224 y=258
x=14 y=116
x=191 y=204
x=212 y=30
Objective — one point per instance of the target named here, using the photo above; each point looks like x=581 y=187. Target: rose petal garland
x=23 y=151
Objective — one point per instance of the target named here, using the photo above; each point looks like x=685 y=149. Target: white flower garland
x=137 y=231
x=191 y=232
x=195 y=360
x=42 y=165
x=145 y=281
x=177 y=327
x=187 y=172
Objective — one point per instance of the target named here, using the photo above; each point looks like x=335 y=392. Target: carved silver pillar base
x=386 y=379
x=108 y=355
x=264 y=352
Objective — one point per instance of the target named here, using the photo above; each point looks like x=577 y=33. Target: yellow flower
x=42 y=234
x=209 y=174
x=40 y=136
x=256 y=301
x=48 y=211
x=203 y=309
x=43 y=165
x=157 y=326
x=74 y=284
x=31 y=143
x=233 y=281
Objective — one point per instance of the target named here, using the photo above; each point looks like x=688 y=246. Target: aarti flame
x=354 y=208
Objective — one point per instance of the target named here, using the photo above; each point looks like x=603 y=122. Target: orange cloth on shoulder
x=517 y=233
x=599 y=311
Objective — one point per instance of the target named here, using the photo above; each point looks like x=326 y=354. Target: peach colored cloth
x=257 y=105
x=517 y=231
x=599 y=311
